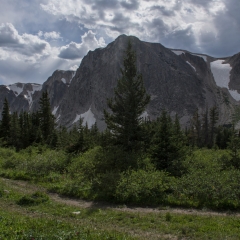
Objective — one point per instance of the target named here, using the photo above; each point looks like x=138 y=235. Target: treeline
x=162 y=140
x=205 y=132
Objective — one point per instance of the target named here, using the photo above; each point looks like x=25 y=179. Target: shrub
x=34 y=199
x=11 y=159
x=47 y=162
x=144 y=187
x=211 y=188
x=85 y=164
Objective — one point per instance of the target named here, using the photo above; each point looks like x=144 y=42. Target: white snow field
x=178 y=52
x=221 y=74
x=88 y=117
x=18 y=90
x=55 y=110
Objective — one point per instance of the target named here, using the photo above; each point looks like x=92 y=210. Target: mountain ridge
x=177 y=80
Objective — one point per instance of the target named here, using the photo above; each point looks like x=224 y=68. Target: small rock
x=77 y=212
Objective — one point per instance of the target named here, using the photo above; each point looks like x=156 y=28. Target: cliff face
x=177 y=80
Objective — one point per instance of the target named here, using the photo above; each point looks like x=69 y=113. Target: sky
x=38 y=37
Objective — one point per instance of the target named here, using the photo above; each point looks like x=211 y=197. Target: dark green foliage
x=214 y=114
x=204 y=131
x=33 y=199
x=46 y=119
x=223 y=136
x=234 y=147
x=143 y=187
x=5 y=125
x=128 y=104
x=168 y=145
x=210 y=188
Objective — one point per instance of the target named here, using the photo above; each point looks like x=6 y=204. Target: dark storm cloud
x=225 y=40
x=181 y=39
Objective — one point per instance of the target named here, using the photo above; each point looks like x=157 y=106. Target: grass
x=52 y=220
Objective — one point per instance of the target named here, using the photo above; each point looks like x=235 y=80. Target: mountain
x=177 y=80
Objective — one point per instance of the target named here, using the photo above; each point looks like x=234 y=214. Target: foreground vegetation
x=209 y=180
x=47 y=219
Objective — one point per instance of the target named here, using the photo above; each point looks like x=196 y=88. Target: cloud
x=25 y=44
x=197 y=22
x=77 y=51
x=130 y=4
x=74 y=68
x=8 y=35
x=45 y=34
x=49 y=35
x=28 y=58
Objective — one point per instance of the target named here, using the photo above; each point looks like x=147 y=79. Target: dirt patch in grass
x=27 y=187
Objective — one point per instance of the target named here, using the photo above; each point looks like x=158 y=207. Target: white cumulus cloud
x=79 y=50
x=49 y=35
x=25 y=44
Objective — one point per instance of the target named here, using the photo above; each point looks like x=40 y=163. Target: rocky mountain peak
x=177 y=80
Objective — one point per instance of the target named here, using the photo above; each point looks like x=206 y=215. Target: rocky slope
x=177 y=80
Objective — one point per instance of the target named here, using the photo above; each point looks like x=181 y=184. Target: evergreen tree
x=15 y=131
x=128 y=104
x=196 y=123
x=205 y=129
x=6 y=122
x=47 y=120
x=213 y=121
x=168 y=145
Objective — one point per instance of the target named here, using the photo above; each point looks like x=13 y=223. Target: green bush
x=75 y=188
x=47 y=162
x=11 y=159
x=15 y=174
x=34 y=199
x=85 y=164
x=144 y=187
x=210 y=188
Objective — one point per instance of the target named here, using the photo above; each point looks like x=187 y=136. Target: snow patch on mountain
x=178 y=52
x=16 y=89
x=88 y=117
x=144 y=115
x=221 y=74
x=73 y=75
x=36 y=87
x=64 y=80
x=55 y=110
x=191 y=65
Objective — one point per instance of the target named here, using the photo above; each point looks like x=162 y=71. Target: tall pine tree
x=128 y=104
x=47 y=120
x=5 y=125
